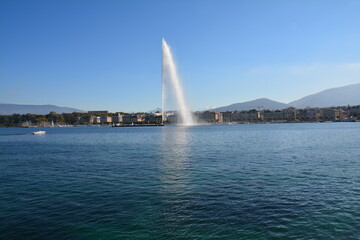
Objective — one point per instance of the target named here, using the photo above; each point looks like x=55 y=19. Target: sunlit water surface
x=273 y=181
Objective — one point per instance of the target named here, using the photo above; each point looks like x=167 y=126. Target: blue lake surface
x=261 y=181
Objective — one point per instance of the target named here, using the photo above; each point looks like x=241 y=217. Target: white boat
x=39 y=132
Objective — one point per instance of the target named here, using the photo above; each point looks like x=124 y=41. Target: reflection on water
x=175 y=146
x=174 y=156
x=260 y=181
x=174 y=174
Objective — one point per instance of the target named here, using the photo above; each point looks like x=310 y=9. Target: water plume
x=170 y=77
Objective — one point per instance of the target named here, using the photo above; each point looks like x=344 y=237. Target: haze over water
x=276 y=181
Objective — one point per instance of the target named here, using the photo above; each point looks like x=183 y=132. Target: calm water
x=278 y=181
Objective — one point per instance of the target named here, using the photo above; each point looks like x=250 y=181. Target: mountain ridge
x=339 y=96
x=260 y=103
x=9 y=109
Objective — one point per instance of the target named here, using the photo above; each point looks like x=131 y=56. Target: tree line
x=16 y=120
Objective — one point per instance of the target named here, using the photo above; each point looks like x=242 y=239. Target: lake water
x=261 y=181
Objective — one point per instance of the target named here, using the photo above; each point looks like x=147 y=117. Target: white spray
x=169 y=74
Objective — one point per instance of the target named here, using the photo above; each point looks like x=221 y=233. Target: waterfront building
x=309 y=114
x=289 y=114
x=141 y=117
x=170 y=116
x=117 y=118
x=354 y=112
x=88 y=120
x=245 y=116
x=328 y=114
x=153 y=118
x=197 y=116
x=342 y=114
x=129 y=119
x=218 y=117
x=105 y=119
x=96 y=120
x=276 y=115
x=333 y=114
x=209 y=117
x=227 y=116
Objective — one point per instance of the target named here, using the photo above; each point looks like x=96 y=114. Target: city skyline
x=107 y=55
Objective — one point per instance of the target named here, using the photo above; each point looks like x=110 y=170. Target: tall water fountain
x=171 y=78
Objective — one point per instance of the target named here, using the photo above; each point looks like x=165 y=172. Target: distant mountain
x=261 y=103
x=155 y=110
x=9 y=109
x=341 y=96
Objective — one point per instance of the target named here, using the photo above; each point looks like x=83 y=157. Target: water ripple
x=213 y=182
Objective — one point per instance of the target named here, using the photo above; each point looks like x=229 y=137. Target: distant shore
x=198 y=124
x=120 y=119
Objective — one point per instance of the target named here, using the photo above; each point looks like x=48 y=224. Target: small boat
x=39 y=132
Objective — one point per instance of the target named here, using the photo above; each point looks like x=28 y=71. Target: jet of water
x=171 y=77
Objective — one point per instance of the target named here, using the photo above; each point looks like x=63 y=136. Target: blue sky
x=106 y=54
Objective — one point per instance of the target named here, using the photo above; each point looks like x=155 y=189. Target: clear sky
x=106 y=54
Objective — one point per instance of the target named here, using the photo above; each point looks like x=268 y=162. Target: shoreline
x=162 y=125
